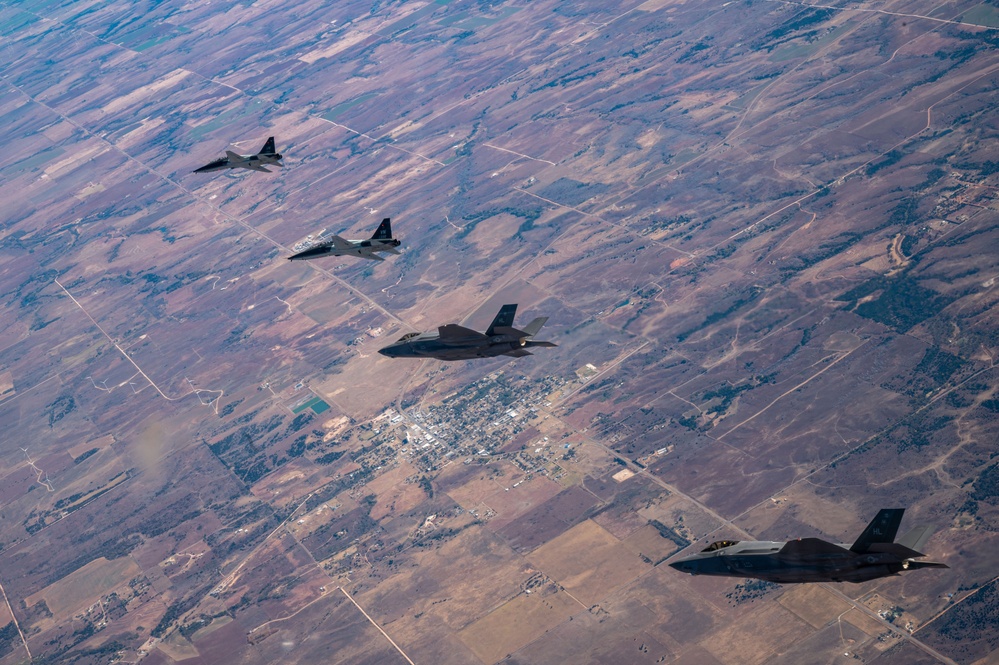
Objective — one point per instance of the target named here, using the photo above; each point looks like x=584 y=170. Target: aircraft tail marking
x=882 y=529
x=384 y=231
x=268 y=148
x=504 y=319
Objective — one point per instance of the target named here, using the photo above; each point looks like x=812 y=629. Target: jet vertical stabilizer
x=504 y=319
x=882 y=529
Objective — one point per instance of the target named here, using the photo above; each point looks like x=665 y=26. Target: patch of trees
x=174 y=611
x=751 y=590
x=329 y=457
x=748 y=297
x=890 y=159
x=689 y=54
x=938 y=365
x=986 y=168
x=300 y=421
x=902 y=303
x=427 y=486
x=170 y=517
x=670 y=534
x=230 y=407
x=971 y=620
x=111 y=549
x=297 y=448
x=986 y=486
x=86 y=455
x=572 y=192
x=330 y=490
x=805 y=19
x=60 y=408
x=9 y=638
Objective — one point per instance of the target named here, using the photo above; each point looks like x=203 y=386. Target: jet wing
x=518 y=353
x=233 y=157
x=455 y=335
x=337 y=242
x=213 y=166
x=810 y=548
x=390 y=249
x=255 y=167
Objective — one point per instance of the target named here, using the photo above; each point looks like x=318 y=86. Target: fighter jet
x=382 y=241
x=454 y=342
x=874 y=555
x=267 y=156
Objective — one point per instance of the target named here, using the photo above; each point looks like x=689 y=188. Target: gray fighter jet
x=454 y=342
x=874 y=555
x=267 y=156
x=382 y=241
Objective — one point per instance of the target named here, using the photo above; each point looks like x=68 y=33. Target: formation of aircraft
x=454 y=342
x=381 y=241
x=874 y=554
x=268 y=156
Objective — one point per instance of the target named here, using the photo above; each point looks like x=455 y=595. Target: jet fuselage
x=455 y=342
x=252 y=162
x=763 y=560
x=429 y=345
x=359 y=248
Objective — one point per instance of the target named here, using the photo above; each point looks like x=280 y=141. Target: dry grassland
x=588 y=561
x=813 y=604
x=752 y=639
x=518 y=622
x=85 y=585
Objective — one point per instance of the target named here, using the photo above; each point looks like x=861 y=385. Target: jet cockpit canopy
x=408 y=336
x=720 y=544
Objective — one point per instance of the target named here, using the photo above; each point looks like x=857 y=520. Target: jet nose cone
x=385 y=352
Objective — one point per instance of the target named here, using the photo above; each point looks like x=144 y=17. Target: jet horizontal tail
x=534 y=327
x=507 y=331
x=917 y=537
x=899 y=550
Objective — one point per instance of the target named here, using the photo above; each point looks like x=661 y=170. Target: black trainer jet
x=874 y=555
x=267 y=156
x=334 y=245
x=454 y=342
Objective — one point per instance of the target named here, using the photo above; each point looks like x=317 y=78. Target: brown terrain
x=766 y=237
